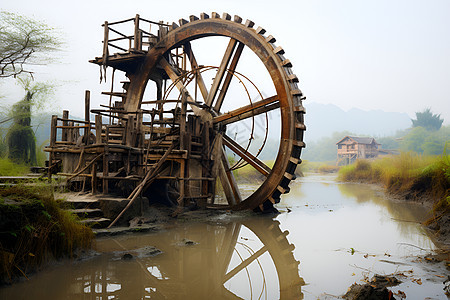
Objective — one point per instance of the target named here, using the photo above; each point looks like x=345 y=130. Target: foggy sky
x=380 y=54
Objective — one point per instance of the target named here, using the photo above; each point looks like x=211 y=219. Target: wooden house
x=351 y=148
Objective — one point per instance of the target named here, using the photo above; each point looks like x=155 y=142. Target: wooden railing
x=136 y=38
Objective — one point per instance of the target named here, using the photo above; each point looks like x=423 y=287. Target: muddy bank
x=159 y=217
x=34 y=229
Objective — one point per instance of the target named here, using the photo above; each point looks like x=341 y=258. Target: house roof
x=359 y=140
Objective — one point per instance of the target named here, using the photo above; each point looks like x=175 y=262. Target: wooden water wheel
x=193 y=91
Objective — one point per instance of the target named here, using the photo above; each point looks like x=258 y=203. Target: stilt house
x=351 y=148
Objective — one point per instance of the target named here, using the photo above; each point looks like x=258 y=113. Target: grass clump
x=34 y=229
x=408 y=175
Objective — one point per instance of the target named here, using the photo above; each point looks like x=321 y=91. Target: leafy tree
x=24 y=42
x=425 y=142
x=20 y=137
x=427 y=120
x=414 y=140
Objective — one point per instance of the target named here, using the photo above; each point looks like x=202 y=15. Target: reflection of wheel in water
x=201 y=269
x=219 y=94
x=274 y=243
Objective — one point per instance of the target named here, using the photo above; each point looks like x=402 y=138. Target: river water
x=328 y=236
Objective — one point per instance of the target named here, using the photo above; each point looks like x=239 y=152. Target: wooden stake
x=65 y=123
x=87 y=108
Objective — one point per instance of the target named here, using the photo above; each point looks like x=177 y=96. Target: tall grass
x=409 y=175
x=33 y=229
x=8 y=168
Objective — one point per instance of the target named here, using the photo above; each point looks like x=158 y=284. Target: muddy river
x=328 y=236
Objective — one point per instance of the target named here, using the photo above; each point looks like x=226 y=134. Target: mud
x=376 y=289
x=440 y=227
x=160 y=217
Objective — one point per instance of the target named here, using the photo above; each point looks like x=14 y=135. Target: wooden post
x=107 y=135
x=137 y=34
x=52 y=144
x=94 y=178
x=87 y=106
x=65 y=131
x=105 y=42
x=129 y=131
x=139 y=129
x=105 y=170
x=71 y=132
x=183 y=121
x=98 y=129
x=180 y=199
x=53 y=131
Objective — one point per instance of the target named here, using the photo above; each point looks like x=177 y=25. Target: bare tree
x=24 y=42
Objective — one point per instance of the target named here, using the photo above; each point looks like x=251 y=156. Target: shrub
x=33 y=228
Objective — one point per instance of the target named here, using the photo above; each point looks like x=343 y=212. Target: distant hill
x=323 y=119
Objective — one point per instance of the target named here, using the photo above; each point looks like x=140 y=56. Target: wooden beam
x=244 y=264
x=194 y=65
x=178 y=83
x=220 y=73
x=245 y=109
x=227 y=81
x=228 y=181
x=246 y=156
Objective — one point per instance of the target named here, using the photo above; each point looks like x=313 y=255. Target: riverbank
x=342 y=233
x=412 y=177
x=34 y=229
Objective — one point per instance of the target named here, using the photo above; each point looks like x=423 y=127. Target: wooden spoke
x=228 y=181
x=221 y=72
x=244 y=264
x=248 y=111
x=229 y=76
x=246 y=156
x=194 y=64
x=226 y=249
x=178 y=83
